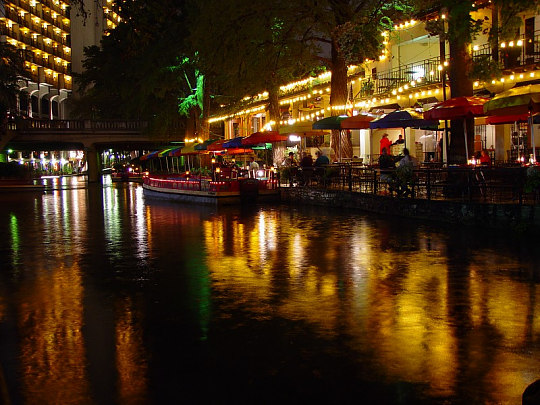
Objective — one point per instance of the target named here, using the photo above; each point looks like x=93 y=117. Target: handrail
x=467 y=184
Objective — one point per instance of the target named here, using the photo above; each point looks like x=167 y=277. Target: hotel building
x=52 y=35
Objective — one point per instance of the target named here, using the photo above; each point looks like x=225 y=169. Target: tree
x=351 y=30
x=133 y=72
x=11 y=70
x=261 y=46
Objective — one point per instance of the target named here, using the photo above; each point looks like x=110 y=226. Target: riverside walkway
x=498 y=197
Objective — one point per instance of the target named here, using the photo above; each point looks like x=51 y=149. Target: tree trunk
x=460 y=85
x=278 y=149
x=340 y=141
x=205 y=125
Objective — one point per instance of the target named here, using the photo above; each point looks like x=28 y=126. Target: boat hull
x=193 y=196
x=210 y=192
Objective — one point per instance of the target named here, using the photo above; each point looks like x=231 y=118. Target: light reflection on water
x=106 y=297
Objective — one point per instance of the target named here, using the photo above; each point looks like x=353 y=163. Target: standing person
x=253 y=165
x=400 y=140
x=385 y=143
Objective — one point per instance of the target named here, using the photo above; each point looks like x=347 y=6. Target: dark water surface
x=108 y=297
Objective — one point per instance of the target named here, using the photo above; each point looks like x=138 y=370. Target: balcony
x=520 y=53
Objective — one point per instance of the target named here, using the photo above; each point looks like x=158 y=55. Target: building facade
x=408 y=74
x=51 y=36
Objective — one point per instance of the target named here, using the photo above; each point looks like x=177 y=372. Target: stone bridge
x=91 y=136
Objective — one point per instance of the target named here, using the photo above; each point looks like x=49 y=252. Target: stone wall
x=501 y=216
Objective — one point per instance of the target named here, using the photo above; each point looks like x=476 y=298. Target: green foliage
x=359 y=42
x=129 y=75
x=285 y=173
x=510 y=19
x=11 y=70
x=532 y=181
x=260 y=46
x=484 y=68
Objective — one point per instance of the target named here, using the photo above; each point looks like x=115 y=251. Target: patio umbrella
x=360 y=121
x=510 y=119
x=216 y=146
x=263 y=137
x=403 y=119
x=186 y=150
x=458 y=108
x=329 y=122
x=333 y=123
x=519 y=100
x=205 y=144
x=234 y=143
x=301 y=128
x=150 y=155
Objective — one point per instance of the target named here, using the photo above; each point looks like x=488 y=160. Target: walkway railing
x=502 y=185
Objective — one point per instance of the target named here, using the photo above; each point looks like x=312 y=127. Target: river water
x=107 y=297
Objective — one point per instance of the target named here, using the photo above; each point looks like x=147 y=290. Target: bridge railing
x=79 y=125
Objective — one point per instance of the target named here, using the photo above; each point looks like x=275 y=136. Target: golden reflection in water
x=51 y=312
x=403 y=311
x=52 y=345
x=131 y=359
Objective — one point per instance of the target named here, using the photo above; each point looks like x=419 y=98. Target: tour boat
x=226 y=186
x=127 y=176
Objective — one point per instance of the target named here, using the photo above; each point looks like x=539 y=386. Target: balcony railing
x=520 y=52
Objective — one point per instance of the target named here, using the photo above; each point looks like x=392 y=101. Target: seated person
x=307 y=160
x=485 y=159
x=321 y=159
x=386 y=166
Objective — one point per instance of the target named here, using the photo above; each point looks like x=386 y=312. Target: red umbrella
x=216 y=146
x=263 y=137
x=510 y=119
x=360 y=121
x=458 y=108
